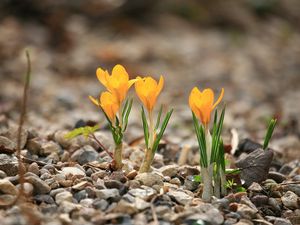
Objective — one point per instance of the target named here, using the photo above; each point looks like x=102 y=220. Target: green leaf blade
x=145 y=127
x=162 y=130
x=269 y=133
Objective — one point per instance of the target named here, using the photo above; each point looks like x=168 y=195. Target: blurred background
x=249 y=47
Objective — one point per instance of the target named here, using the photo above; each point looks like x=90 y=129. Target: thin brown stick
x=101 y=145
x=21 y=194
x=295 y=182
x=21 y=122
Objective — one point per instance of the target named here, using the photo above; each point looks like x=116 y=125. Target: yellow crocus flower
x=109 y=104
x=202 y=103
x=148 y=90
x=117 y=83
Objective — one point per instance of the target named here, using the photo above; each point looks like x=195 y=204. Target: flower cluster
x=116 y=109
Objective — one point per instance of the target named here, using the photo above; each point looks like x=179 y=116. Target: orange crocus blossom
x=148 y=90
x=202 y=103
x=117 y=83
x=109 y=103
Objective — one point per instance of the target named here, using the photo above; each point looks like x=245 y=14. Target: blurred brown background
x=249 y=47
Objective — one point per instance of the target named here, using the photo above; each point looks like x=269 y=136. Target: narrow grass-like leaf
x=107 y=118
x=220 y=125
x=125 y=108
x=162 y=130
x=145 y=127
x=201 y=141
x=201 y=147
x=216 y=136
x=269 y=133
x=158 y=118
x=117 y=136
x=221 y=158
x=126 y=115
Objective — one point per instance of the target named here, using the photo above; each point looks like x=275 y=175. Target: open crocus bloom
x=117 y=83
x=109 y=103
x=202 y=103
x=148 y=90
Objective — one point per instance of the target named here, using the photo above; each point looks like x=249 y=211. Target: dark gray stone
x=80 y=195
x=100 y=204
x=255 y=166
x=85 y=154
x=278 y=177
x=43 y=198
x=9 y=164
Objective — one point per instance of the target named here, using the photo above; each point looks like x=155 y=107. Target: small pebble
x=54 y=192
x=49 y=147
x=259 y=200
x=255 y=187
x=108 y=194
x=278 y=177
x=7 y=187
x=175 y=180
x=290 y=200
x=40 y=186
x=28 y=188
x=100 y=204
x=80 y=195
x=190 y=183
x=149 y=179
x=73 y=171
x=34 y=168
x=63 y=196
x=43 y=198
x=2 y=174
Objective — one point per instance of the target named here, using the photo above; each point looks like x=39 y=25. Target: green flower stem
x=151 y=128
x=118 y=156
x=149 y=154
x=145 y=167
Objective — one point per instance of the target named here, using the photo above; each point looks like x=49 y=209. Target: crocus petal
x=194 y=96
x=139 y=86
x=148 y=90
x=102 y=76
x=122 y=91
x=205 y=114
x=152 y=96
x=120 y=73
x=201 y=103
x=109 y=104
x=219 y=99
x=160 y=85
x=208 y=97
x=95 y=101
